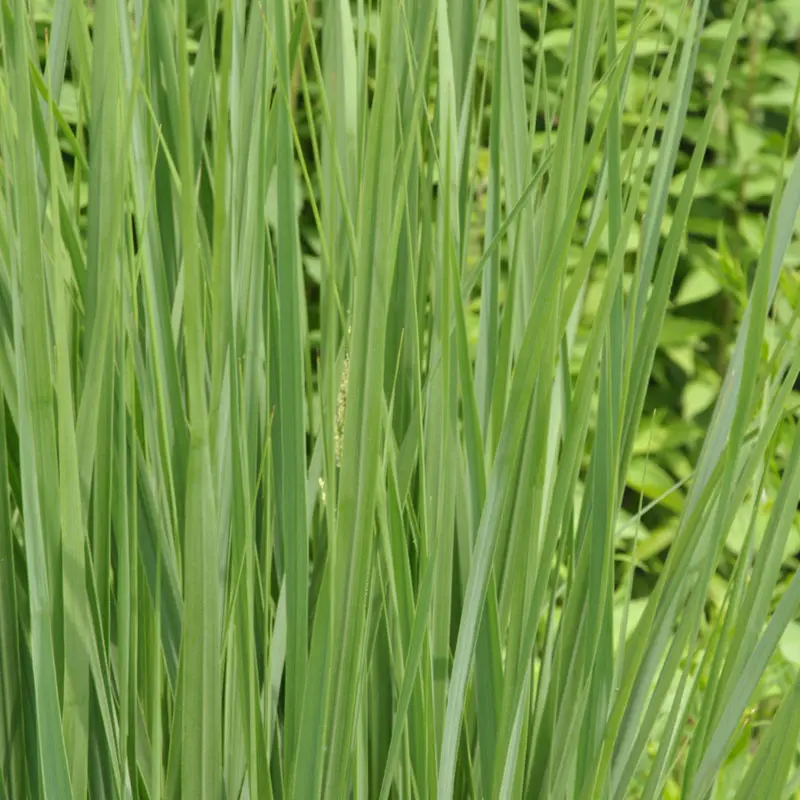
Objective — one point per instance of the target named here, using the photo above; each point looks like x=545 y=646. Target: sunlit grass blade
x=289 y=419
x=200 y=697
x=36 y=423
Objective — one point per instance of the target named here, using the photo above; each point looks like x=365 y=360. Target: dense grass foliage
x=398 y=399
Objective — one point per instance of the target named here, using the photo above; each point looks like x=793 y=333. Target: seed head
x=341 y=405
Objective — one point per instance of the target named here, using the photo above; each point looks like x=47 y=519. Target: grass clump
x=316 y=467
